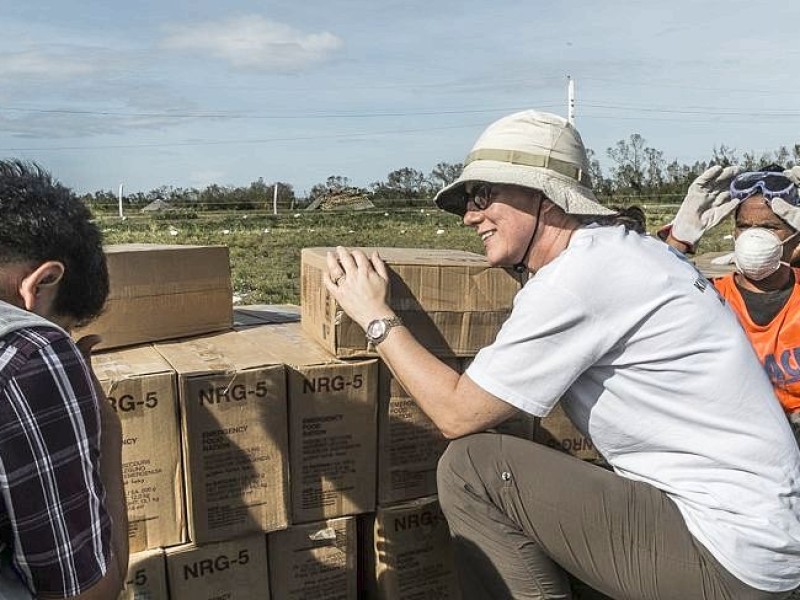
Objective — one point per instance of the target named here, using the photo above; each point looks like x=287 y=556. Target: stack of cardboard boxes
x=265 y=458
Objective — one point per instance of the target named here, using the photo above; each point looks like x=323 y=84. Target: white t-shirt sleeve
x=551 y=337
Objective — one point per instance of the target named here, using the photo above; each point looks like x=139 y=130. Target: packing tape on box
x=115 y=372
x=210 y=355
x=328 y=533
x=215 y=360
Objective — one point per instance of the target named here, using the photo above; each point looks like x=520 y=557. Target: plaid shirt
x=52 y=512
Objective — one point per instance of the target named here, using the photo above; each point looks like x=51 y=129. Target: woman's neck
x=555 y=238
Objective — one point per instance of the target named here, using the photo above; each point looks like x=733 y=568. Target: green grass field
x=265 y=249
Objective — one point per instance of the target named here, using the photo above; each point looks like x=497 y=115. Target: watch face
x=376 y=329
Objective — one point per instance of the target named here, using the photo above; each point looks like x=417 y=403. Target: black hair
x=42 y=220
x=632 y=218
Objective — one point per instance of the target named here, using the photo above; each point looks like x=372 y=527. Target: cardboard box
x=332 y=424
x=141 y=386
x=254 y=315
x=147 y=576
x=452 y=301
x=160 y=292
x=233 y=426
x=557 y=431
x=316 y=560
x=409 y=444
x=235 y=569
x=408 y=554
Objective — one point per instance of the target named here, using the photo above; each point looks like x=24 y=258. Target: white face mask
x=758 y=253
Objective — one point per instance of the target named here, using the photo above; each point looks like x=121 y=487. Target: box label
x=333 y=416
x=147 y=577
x=231 y=570
x=412 y=553
x=235 y=440
x=146 y=405
x=316 y=561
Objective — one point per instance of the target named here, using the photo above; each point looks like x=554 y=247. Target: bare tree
x=630 y=162
x=443 y=174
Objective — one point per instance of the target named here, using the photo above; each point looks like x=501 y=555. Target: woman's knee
x=457 y=468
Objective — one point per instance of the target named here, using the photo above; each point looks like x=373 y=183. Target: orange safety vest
x=776 y=344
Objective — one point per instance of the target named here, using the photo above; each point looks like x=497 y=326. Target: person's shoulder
x=590 y=261
x=27 y=341
x=610 y=237
x=609 y=260
x=612 y=249
x=724 y=283
x=722 y=279
x=24 y=351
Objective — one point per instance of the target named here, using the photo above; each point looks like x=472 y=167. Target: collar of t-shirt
x=765 y=306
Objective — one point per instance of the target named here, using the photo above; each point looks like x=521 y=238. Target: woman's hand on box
x=360 y=284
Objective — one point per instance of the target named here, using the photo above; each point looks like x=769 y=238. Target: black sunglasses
x=479 y=197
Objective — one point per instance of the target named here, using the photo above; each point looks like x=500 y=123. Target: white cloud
x=43 y=65
x=254 y=43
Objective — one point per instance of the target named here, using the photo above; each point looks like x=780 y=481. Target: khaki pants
x=524 y=517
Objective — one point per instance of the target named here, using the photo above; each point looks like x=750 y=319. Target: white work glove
x=787 y=212
x=707 y=202
x=793 y=175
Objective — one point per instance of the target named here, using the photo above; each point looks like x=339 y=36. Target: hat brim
x=570 y=195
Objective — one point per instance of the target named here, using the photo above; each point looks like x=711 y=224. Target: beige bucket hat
x=531 y=149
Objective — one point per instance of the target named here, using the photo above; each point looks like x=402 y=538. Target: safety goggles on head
x=768 y=184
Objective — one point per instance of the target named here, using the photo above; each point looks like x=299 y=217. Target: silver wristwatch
x=378 y=329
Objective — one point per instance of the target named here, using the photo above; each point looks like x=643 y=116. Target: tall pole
x=121 y=216
x=275 y=198
x=571 y=100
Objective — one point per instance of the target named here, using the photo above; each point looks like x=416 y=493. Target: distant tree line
x=637 y=174
x=640 y=173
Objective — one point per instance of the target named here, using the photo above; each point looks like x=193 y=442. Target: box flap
x=222 y=352
x=287 y=343
x=405 y=256
x=131 y=362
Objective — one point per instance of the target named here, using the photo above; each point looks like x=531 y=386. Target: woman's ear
x=39 y=288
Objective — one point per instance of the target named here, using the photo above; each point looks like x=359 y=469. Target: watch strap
x=390 y=322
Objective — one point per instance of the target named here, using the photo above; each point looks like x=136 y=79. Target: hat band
x=529 y=159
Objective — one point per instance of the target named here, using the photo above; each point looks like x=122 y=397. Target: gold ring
x=338 y=279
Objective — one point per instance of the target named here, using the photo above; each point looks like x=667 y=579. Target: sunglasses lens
x=776 y=182
x=746 y=181
x=481 y=196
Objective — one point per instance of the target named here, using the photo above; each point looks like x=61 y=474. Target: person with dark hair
x=704 y=498
x=63 y=525
x=633 y=218
x=764 y=292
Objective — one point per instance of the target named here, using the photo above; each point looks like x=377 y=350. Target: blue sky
x=187 y=93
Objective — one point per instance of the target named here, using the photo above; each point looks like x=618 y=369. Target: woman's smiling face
x=507 y=221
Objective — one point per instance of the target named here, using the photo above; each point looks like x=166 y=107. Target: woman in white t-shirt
x=704 y=498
